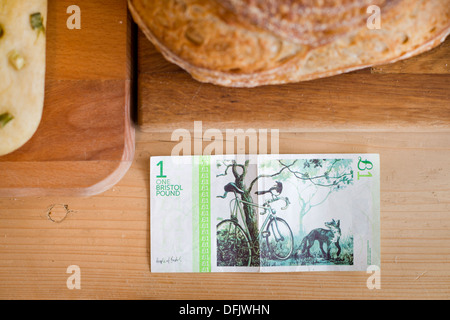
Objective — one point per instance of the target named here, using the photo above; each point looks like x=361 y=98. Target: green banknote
x=265 y=213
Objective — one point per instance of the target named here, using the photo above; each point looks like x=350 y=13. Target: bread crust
x=310 y=22
x=21 y=91
x=251 y=56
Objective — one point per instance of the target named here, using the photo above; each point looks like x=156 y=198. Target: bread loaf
x=237 y=43
x=308 y=22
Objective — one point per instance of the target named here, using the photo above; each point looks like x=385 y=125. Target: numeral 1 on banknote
x=161 y=170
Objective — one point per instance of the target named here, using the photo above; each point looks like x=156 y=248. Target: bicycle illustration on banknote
x=234 y=242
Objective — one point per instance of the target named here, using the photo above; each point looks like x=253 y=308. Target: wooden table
x=107 y=235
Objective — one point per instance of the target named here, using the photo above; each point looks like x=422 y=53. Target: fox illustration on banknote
x=322 y=236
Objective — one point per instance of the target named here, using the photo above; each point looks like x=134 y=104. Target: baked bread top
x=217 y=45
x=311 y=22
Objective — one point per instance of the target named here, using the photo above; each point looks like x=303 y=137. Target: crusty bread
x=217 y=45
x=203 y=34
x=22 y=70
x=309 y=22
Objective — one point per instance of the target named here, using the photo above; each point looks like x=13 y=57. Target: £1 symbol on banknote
x=268 y=213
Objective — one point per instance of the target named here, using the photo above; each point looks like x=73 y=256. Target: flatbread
x=216 y=45
x=22 y=70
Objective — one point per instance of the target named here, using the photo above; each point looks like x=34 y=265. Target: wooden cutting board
x=85 y=142
x=411 y=95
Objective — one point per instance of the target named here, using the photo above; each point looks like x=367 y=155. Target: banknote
x=265 y=213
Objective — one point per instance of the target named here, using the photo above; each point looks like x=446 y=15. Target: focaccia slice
x=22 y=70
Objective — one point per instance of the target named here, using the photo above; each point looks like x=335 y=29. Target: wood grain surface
x=409 y=95
x=108 y=235
x=85 y=141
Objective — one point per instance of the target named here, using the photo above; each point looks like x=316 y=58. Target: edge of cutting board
x=408 y=96
x=52 y=163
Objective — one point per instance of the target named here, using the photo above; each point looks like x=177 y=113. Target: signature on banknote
x=167 y=260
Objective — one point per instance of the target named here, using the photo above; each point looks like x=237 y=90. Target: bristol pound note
x=265 y=213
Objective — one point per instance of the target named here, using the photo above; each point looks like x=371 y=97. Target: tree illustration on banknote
x=313 y=180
